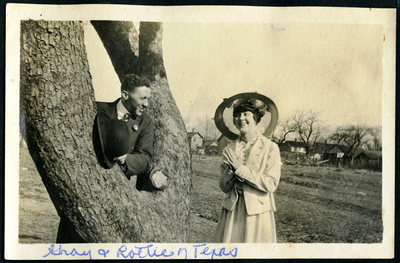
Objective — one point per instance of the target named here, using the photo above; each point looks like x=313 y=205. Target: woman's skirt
x=237 y=226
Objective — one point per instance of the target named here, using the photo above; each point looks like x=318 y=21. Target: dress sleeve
x=227 y=178
x=268 y=179
x=138 y=161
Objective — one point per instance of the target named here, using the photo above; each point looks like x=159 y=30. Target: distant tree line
x=309 y=129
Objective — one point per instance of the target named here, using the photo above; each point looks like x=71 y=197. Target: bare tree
x=376 y=141
x=308 y=127
x=211 y=132
x=284 y=129
x=351 y=136
x=58 y=102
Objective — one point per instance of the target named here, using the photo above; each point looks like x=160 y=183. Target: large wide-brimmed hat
x=223 y=117
x=114 y=138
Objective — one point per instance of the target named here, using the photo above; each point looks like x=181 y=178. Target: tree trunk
x=102 y=205
x=121 y=41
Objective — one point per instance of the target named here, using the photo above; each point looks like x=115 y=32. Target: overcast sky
x=334 y=69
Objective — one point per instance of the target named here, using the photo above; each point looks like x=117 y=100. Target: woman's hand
x=232 y=159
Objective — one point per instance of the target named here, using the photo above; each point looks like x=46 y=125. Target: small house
x=297 y=147
x=195 y=140
x=333 y=153
x=369 y=156
x=292 y=151
x=210 y=147
x=369 y=160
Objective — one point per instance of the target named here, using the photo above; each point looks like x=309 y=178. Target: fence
x=299 y=158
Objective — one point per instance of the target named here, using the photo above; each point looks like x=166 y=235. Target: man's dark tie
x=126 y=117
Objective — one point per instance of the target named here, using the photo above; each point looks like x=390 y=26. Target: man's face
x=136 y=101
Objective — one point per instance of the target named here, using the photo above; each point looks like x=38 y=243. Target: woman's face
x=244 y=121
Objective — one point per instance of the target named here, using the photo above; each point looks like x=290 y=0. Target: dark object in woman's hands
x=227 y=179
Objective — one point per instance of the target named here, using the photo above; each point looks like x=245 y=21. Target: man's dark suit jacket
x=137 y=160
x=142 y=131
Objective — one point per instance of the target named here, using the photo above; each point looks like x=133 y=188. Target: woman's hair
x=252 y=105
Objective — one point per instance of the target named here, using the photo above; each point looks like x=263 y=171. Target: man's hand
x=121 y=159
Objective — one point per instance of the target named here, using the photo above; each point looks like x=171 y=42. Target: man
x=130 y=108
x=135 y=95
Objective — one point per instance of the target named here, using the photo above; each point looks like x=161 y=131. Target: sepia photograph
x=229 y=132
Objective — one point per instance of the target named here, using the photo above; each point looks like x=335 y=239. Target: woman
x=250 y=174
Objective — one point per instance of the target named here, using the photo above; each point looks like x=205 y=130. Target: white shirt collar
x=252 y=141
x=121 y=110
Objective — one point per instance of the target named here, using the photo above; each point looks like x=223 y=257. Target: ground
x=314 y=204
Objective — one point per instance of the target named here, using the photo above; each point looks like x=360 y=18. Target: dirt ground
x=38 y=219
x=314 y=204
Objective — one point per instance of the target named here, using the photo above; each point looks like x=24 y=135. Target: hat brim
x=227 y=103
x=101 y=119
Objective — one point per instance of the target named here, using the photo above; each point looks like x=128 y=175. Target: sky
x=333 y=69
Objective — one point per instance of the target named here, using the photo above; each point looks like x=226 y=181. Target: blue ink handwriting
x=59 y=252
x=277 y=29
x=213 y=252
x=147 y=251
x=142 y=252
x=180 y=250
x=103 y=252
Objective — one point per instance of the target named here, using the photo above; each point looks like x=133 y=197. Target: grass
x=314 y=204
x=38 y=219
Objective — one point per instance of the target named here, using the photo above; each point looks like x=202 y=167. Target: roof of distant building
x=191 y=134
x=371 y=154
x=294 y=144
x=207 y=143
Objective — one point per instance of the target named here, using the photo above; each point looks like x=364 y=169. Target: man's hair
x=132 y=81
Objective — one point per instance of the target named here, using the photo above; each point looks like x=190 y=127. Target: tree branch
x=121 y=41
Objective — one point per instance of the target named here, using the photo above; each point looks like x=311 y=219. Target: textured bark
x=171 y=153
x=103 y=205
x=151 y=64
x=121 y=41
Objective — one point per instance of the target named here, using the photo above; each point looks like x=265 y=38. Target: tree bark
x=102 y=205
x=121 y=42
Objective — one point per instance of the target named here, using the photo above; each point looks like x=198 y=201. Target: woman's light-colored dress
x=248 y=209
